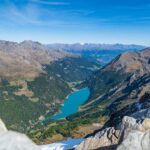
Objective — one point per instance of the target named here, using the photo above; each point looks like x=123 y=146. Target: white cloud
x=46 y=2
x=23 y=15
x=31 y=14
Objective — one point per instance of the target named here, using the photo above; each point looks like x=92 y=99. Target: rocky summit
x=131 y=134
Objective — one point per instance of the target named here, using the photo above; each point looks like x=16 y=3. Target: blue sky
x=71 y=21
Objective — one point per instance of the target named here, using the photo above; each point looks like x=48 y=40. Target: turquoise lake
x=72 y=103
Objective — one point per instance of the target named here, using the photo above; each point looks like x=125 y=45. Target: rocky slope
x=120 y=88
x=130 y=134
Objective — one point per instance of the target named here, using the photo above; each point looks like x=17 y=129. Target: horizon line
x=81 y=43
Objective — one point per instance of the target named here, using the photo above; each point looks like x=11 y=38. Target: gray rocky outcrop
x=135 y=134
x=136 y=140
x=104 y=138
x=132 y=134
x=10 y=140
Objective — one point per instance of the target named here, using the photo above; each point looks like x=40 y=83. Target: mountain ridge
x=92 y=46
x=117 y=87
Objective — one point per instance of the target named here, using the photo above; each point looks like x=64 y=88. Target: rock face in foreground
x=132 y=134
x=10 y=140
x=107 y=137
x=136 y=135
x=15 y=141
x=2 y=127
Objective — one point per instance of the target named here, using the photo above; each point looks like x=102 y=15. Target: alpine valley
x=120 y=88
x=35 y=79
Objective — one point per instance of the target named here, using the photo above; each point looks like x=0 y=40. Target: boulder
x=135 y=134
x=136 y=140
x=104 y=138
x=15 y=141
x=132 y=134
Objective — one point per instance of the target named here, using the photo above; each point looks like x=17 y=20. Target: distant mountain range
x=90 y=46
x=98 y=53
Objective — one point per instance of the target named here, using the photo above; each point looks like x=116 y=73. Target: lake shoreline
x=77 y=100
